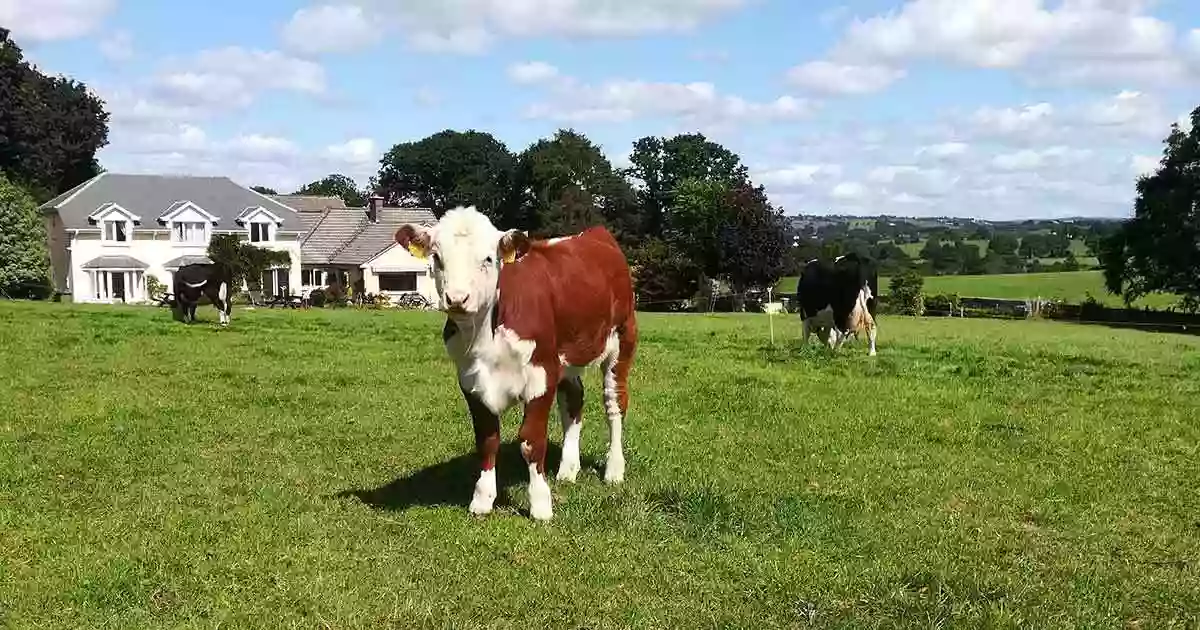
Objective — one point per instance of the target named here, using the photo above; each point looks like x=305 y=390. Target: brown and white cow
x=523 y=319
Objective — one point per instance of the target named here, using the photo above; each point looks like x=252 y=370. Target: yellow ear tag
x=416 y=252
x=510 y=258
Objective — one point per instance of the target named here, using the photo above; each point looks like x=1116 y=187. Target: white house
x=108 y=233
x=359 y=244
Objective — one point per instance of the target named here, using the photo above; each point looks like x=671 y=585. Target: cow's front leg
x=533 y=448
x=487 y=444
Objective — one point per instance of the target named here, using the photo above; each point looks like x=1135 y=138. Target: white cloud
x=697 y=103
x=330 y=28
x=253 y=159
x=357 y=151
x=943 y=150
x=796 y=175
x=848 y=191
x=1092 y=41
x=474 y=26
x=53 y=20
x=118 y=46
x=532 y=72
x=1143 y=164
x=829 y=77
x=1025 y=120
x=1031 y=159
x=210 y=82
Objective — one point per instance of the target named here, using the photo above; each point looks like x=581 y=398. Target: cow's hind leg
x=616 y=399
x=223 y=305
x=570 y=409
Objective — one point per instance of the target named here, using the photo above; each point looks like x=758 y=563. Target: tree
x=50 y=127
x=245 y=261
x=752 y=241
x=336 y=185
x=905 y=293
x=24 y=260
x=1003 y=244
x=661 y=273
x=662 y=164
x=565 y=183
x=263 y=190
x=447 y=169
x=694 y=220
x=1158 y=249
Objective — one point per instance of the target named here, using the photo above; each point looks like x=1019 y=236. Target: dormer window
x=115 y=223
x=190 y=232
x=260 y=232
x=189 y=223
x=116 y=230
x=262 y=225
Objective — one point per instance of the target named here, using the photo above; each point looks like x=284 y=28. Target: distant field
x=1078 y=247
x=1073 y=286
x=311 y=469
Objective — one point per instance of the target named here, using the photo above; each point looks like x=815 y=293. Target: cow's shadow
x=452 y=482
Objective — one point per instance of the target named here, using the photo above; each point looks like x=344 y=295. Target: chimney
x=373 y=204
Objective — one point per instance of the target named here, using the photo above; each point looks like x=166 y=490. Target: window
x=312 y=278
x=398 y=281
x=275 y=282
x=260 y=232
x=189 y=232
x=118 y=285
x=117 y=231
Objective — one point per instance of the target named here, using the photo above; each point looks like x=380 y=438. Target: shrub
x=904 y=293
x=943 y=304
x=154 y=287
x=335 y=295
x=317 y=298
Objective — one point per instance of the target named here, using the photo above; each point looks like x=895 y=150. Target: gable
x=258 y=214
x=112 y=211
x=186 y=211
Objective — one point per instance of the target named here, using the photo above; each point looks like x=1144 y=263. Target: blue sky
x=986 y=108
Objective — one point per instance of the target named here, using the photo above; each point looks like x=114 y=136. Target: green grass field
x=312 y=470
x=1071 y=286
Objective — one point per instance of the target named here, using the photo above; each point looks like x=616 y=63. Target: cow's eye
x=437 y=261
x=489 y=261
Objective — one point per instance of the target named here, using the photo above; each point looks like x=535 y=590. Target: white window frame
x=205 y=233
x=104 y=236
x=267 y=225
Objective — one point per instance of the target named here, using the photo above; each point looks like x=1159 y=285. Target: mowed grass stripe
x=312 y=468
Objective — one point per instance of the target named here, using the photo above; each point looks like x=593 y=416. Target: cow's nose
x=456 y=299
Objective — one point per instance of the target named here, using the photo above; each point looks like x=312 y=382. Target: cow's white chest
x=499 y=369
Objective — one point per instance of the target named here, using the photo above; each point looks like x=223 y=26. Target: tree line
x=685 y=210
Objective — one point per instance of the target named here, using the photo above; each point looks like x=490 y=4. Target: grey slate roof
x=149 y=196
x=176 y=263
x=115 y=262
x=309 y=203
x=344 y=236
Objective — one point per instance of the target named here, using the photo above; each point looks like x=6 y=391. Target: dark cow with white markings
x=839 y=297
x=212 y=280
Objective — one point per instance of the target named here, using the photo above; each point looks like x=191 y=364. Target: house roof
x=190 y=259
x=115 y=262
x=344 y=236
x=309 y=203
x=151 y=195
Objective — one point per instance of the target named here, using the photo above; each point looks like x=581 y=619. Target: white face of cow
x=466 y=252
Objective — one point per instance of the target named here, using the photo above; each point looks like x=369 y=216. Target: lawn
x=1072 y=286
x=312 y=469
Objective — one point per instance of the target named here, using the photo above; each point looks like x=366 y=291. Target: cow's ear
x=513 y=245
x=414 y=238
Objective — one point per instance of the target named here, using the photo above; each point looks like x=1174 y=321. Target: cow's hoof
x=541 y=510
x=482 y=505
x=568 y=471
x=614 y=470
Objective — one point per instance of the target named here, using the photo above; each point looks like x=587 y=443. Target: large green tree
x=1158 y=249
x=660 y=165
x=24 y=262
x=564 y=184
x=753 y=241
x=447 y=169
x=336 y=185
x=50 y=127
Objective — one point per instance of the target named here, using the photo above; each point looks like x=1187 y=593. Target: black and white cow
x=215 y=281
x=838 y=297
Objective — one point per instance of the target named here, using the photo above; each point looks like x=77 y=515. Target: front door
x=117 y=286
